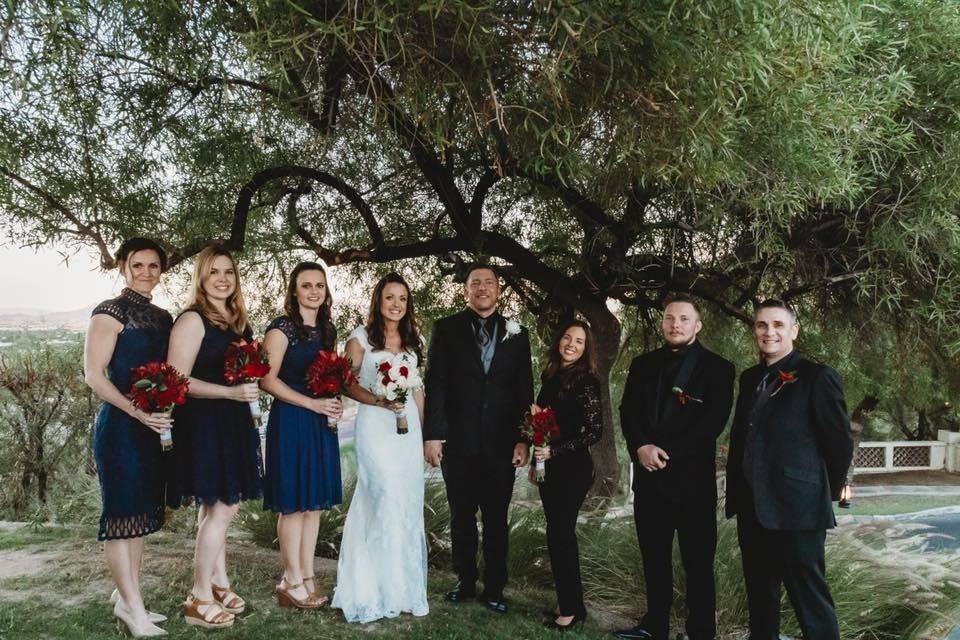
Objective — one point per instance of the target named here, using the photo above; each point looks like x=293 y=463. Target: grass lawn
x=891 y=505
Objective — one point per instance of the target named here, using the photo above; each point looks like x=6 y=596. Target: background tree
x=606 y=153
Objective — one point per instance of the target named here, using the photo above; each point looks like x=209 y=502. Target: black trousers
x=481 y=483
x=795 y=559
x=567 y=481
x=658 y=518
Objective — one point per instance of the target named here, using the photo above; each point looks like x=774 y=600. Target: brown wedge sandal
x=213 y=618
x=286 y=601
x=229 y=599
x=319 y=599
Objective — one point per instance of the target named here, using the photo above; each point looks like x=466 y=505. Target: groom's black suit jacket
x=651 y=414
x=802 y=447
x=476 y=412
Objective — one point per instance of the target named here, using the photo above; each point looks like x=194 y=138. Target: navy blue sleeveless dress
x=216 y=446
x=127 y=453
x=303 y=454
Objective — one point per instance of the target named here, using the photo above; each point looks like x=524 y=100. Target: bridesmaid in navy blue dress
x=303 y=453
x=216 y=446
x=124 y=333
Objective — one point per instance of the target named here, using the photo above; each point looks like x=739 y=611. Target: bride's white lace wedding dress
x=382 y=570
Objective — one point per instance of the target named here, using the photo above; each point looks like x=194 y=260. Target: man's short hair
x=679 y=297
x=476 y=266
x=777 y=303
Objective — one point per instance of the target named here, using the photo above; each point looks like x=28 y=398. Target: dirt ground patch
x=934 y=478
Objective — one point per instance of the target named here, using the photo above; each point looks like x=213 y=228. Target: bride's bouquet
x=396 y=377
x=328 y=375
x=246 y=362
x=158 y=386
x=540 y=427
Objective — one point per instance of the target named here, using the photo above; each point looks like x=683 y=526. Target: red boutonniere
x=683 y=397
x=785 y=378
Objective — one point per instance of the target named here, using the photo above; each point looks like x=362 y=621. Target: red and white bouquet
x=396 y=378
x=246 y=361
x=327 y=377
x=540 y=427
x=158 y=386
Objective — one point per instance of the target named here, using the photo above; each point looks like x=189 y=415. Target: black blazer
x=802 y=451
x=688 y=432
x=476 y=412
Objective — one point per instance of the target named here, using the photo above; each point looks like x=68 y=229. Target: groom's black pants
x=485 y=483
x=658 y=519
x=795 y=559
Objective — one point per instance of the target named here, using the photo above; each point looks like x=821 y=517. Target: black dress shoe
x=636 y=633
x=461 y=593
x=570 y=626
x=495 y=603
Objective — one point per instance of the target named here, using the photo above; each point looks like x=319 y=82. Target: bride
x=382 y=570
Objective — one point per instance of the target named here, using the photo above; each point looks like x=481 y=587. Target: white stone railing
x=910 y=455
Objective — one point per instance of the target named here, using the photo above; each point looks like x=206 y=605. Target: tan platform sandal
x=229 y=599
x=213 y=618
x=320 y=600
x=286 y=601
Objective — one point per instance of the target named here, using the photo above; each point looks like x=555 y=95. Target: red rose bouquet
x=396 y=377
x=246 y=362
x=157 y=386
x=328 y=375
x=540 y=427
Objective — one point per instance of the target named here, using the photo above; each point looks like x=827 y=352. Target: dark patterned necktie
x=483 y=333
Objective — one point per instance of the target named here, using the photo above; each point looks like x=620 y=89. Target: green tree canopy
x=601 y=151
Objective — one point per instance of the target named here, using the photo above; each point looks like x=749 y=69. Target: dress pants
x=568 y=478
x=657 y=518
x=485 y=483
x=793 y=558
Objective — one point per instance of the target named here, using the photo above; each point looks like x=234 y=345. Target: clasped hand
x=330 y=407
x=155 y=421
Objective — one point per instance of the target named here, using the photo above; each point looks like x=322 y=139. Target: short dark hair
x=680 y=297
x=476 y=266
x=132 y=245
x=777 y=303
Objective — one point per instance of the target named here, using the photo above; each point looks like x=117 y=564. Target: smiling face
x=775 y=330
x=221 y=281
x=393 y=302
x=311 y=289
x=482 y=291
x=141 y=271
x=681 y=324
x=572 y=343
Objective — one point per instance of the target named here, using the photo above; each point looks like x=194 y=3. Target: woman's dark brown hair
x=585 y=365
x=409 y=331
x=292 y=307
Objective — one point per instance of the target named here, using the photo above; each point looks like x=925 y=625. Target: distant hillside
x=75 y=320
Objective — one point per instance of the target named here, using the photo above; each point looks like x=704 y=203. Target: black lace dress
x=127 y=453
x=216 y=446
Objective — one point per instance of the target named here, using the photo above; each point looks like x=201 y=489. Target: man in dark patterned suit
x=790 y=448
x=479 y=385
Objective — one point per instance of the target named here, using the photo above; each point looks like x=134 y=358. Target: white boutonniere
x=511 y=328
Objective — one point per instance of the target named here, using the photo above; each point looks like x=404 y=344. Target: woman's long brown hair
x=292 y=307
x=585 y=365
x=410 y=339
x=199 y=301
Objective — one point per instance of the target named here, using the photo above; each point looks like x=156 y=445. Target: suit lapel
x=498 y=342
x=469 y=339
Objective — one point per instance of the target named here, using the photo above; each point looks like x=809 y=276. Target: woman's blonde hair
x=199 y=301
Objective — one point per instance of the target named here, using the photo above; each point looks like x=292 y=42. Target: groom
x=479 y=385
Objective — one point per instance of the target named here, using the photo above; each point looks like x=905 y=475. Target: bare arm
x=276 y=343
x=185 y=339
x=418 y=398
x=98 y=347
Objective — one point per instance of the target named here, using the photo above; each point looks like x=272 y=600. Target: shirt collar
x=783 y=364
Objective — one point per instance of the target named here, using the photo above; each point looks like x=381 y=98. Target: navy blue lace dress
x=303 y=454
x=127 y=453
x=216 y=448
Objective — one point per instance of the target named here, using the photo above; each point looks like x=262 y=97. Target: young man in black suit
x=790 y=448
x=675 y=404
x=479 y=384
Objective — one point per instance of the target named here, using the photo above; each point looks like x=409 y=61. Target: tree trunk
x=606 y=334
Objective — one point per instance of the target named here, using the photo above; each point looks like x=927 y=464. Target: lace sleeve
x=116 y=309
x=588 y=397
x=284 y=325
